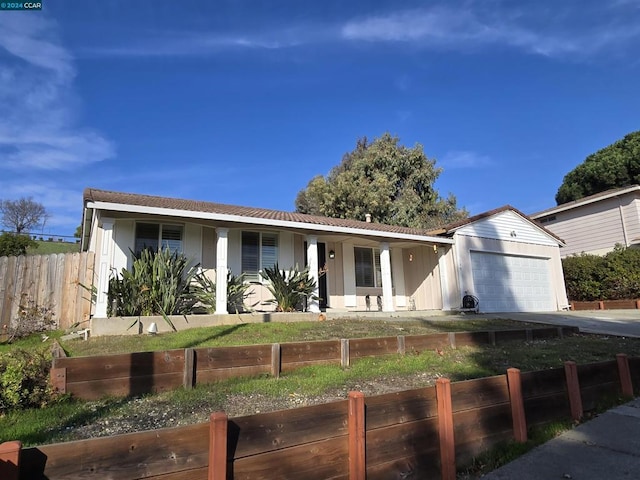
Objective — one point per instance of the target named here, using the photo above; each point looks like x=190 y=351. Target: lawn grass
x=47 y=248
x=279 y=332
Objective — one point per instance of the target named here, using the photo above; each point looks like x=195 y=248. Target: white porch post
x=312 y=261
x=222 y=243
x=385 y=268
x=104 y=266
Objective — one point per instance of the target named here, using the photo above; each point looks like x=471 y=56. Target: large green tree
x=393 y=183
x=615 y=166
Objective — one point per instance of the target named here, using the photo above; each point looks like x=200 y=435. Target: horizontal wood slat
x=479 y=393
x=371 y=347
x=130 y=456
x=231 y=357
x=400 y=407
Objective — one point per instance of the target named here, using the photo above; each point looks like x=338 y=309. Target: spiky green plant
x=290 y=289
x=205 y=292
x=159 y=283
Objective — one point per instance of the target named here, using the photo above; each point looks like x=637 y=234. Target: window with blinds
x=259 y=251
x=155 y=235
x=367 y=266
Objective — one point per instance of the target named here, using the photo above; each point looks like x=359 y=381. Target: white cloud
x=536 y=31
x=464 y=159
x=38 y=127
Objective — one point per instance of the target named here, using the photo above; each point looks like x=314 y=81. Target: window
x=368 y=272
x=259 y=251
x=155 y=235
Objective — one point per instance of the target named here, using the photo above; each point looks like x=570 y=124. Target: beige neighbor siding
x=597 y=227
x=422 y=278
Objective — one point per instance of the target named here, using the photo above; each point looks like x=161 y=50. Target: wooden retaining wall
x=147 y=372
x=413 y=434
x=606 y=305
x=51 y=281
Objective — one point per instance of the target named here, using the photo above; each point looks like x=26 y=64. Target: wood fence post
x=275 y=360
x=492 y=337
x=517 y=405
x=625 y=375
x=572 y=306
x=573 y=389
x=637 y=304
x=344 y=352
x=401 y=345
x=58 y=378
x=218 y=446
x=600 y=305
x=189 y=374
x=357 y=437
x=10 y=460
x=445 y=429
x=529 y=334
x=452 y=340
x=560 y=333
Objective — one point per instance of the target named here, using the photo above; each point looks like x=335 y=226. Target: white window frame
x=160 y=240
x=254 y=276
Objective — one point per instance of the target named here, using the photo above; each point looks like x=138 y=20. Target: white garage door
x=510 y=283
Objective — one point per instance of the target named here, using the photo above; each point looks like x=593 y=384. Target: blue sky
x=243 y=102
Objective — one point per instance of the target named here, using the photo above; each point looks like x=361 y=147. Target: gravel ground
x=150 y=413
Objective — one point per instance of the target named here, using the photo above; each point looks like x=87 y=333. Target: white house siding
x=593 y=228
x=507 y=226
x=451 y=296
x=550 y=255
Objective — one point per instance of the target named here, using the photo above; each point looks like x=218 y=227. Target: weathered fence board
x=53 y=281
x=420 y=343
x=479 y=393
x=606 y=304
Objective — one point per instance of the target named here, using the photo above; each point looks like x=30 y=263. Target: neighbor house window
x=259 y=251
x=156 y=235
x=368 y=272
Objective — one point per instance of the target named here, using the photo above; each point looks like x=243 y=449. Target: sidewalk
x=607 y=447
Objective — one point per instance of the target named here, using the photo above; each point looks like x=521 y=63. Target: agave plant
x=205 y=292
x=158 y=284
x=291 y=290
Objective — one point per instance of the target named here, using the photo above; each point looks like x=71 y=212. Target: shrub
x=291 y=290
x=12 y=244
x=614 y=276
x=204 y=290
x=158 y=284
x=24 y=380
x=32 y=318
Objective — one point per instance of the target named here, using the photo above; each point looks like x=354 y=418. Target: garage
x=512 y=283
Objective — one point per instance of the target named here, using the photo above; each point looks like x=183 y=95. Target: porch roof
x=196 y=209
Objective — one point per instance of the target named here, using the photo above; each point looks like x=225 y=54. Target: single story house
x=595 y=224
x=502 y=257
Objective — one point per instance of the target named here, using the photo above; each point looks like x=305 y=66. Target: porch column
x=104 y=266
x=312 y=259
x=222 y=243
x=385 y=268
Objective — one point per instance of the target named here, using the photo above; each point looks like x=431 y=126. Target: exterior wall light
x=332 y=254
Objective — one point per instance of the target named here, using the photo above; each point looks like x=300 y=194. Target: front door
x=322 y=280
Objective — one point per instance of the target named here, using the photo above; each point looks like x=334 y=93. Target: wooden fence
x=52 y=281
x=606 y=305
x=413 y=434
x=147 y=372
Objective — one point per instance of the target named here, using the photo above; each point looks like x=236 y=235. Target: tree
x=12 y=244
x=78 y=232
x=391 y=182
x=22 y=214
x=615 y=166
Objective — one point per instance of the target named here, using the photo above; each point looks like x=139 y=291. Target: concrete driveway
x=625 y=323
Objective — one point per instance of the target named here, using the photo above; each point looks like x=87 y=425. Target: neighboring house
x=410 y=269
x=508 y=261
x=595 y=224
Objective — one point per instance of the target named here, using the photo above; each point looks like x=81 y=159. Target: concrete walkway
x=607 y=447
x=624 y=323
